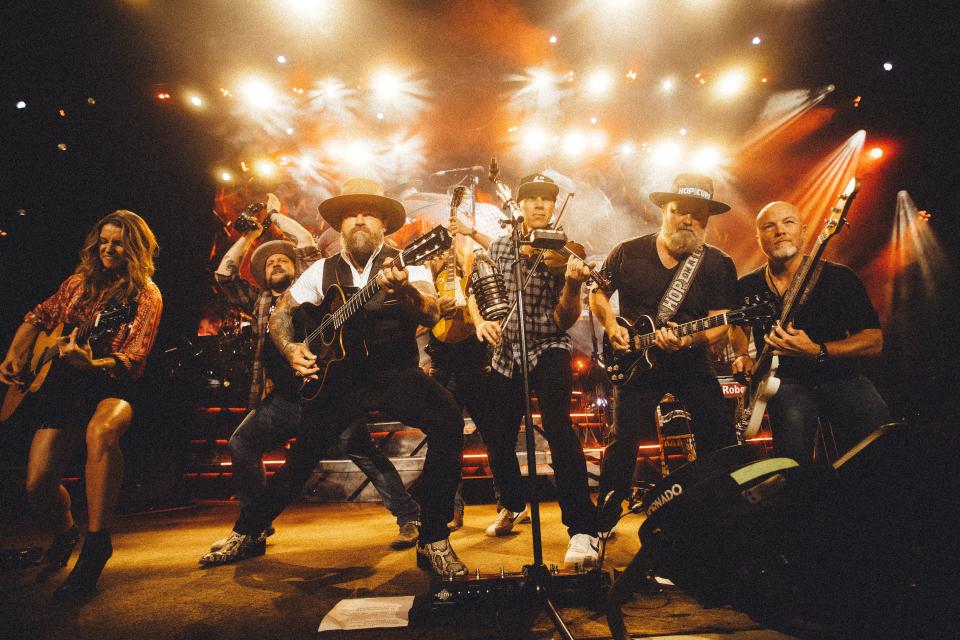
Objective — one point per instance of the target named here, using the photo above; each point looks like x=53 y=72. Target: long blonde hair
x=139 y=248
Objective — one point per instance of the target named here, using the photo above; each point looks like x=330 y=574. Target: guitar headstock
x=456 y=198
x=760 y=307
x=426 y=246
x=838 y=214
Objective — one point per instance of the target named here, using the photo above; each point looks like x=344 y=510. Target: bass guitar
x=331 y=340
x=100 y=329
x=622 y=367
x=451 y=283
x=764 y=382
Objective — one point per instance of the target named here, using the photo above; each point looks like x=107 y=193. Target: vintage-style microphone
x=486 y=282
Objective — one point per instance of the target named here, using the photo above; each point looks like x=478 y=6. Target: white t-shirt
x=309 y=286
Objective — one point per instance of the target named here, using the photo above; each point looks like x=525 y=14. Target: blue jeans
x=852 y=405
x=277 y=418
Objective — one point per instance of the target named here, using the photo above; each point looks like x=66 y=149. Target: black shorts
x=69 y=397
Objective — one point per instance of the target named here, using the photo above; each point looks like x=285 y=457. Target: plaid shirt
x=132 y=343
x=259 y=302
x=540 y=299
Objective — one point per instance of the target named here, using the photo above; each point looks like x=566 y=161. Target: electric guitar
x=624 y=366
x=451 y=285
x=764 y=381
x=332 y=340
x=99 y=329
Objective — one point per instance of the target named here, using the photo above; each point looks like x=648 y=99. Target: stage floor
x=321 y=554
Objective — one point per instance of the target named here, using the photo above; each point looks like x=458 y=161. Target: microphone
x=487 y=284
x=475 y=167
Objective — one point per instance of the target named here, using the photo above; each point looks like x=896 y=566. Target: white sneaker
x=505 y=521
x=582 y=550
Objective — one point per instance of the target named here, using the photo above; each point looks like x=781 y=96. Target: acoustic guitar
x=451 y=282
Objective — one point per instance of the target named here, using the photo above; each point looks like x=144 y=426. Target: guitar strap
x=678 y=288
x=794 y=289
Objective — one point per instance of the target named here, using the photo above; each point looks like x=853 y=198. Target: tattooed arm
x=281 y=332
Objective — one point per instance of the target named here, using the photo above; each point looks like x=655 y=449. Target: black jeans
x=406 y=394
x=633 y=419
x=553 y=380
x=852 y=405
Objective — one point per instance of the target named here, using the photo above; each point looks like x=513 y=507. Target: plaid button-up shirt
x=259 y=302
x=540 y=299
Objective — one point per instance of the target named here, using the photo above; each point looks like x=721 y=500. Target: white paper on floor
x=368 y=613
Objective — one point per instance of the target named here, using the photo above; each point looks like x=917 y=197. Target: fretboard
x=696 y=326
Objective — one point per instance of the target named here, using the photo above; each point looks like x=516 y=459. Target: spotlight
x=599 y=83
x=386 y=84
x=258 y=94
x=380 y=115
x=289 y=131
x=593 y=120
x=683 y=132
x=357 y=153
x=265 y=168
x=282 y=59
x=553 y=39
x=667 y=85
x=667 y=153
x=631 y=74
x=731 y=83
x=707 y=159
x=21 y=105
x=756 y=40
x=62 y=146
x=534 y=140
x=876 y=153
x=574 y=143
x=626 y=149
x=888 y=66
x=226 y=176
x=195 y=100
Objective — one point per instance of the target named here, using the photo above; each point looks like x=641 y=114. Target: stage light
x=306 y=12
x=62 y=146
x=574 y=144
x=593 y=120
x=380 y=116
x=62 y=113
x=631 y=75
x=626 y=149
x=598 y=141
x=282 y=59
x=553 y=39
x=257 y=93
x=667 y=85
x=731 y=83
x=91 y=101
x=876 y=153
x=599 y=83
x=264 y=167
x=888 y=66
x=357 y=153
x=386 y=84
x=533 y=140
x=683 y=132
x=289 y=131
x=226 y=176
x=756 y=40
x=667 y=153
x=21 y=105
x=195 y=100
x=707 y=159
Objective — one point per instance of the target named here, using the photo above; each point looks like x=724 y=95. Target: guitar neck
x=687 y=328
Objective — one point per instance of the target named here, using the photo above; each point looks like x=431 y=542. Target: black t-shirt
x=639 y=276
x=277 y=368
x=838 y=307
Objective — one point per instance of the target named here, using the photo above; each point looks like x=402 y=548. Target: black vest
x=390 y=333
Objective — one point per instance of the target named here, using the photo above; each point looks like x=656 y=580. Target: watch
x=823 y=354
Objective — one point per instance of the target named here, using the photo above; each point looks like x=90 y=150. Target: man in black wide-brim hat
x=672 y=276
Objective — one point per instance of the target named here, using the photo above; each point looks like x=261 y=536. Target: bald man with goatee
x=821 y=351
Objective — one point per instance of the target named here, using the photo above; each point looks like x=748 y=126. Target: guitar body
x=45 y=351
x=333 y=347
x=765 y=389
x=459 y=327
x=623 y=366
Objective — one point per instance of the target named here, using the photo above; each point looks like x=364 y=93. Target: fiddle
x=555 y=260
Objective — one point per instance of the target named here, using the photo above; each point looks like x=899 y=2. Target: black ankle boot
x=82 y=581
x=58 y=553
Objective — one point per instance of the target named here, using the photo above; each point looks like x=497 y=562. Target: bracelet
x=741 y=355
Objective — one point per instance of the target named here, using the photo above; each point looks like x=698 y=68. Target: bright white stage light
x=667 y=85
x=533 y=140
x=264 y=167
x=226 y=176
x=257 y=93
x=21 y=105
x=386 y=84
x=731 y=83
x=599 y=83
x=282 y=59
x=756 y=40
x=195 y=100
x=707 y=159
x=574 y=144
x=888 y=66
x=667 y=153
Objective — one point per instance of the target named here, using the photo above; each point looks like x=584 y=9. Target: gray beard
x=682 y=241
x=785 y=253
